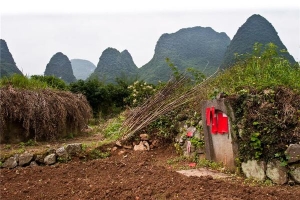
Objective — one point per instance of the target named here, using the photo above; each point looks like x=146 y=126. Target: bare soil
x=131 y=175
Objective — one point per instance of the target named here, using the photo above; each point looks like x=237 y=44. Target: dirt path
x=133 y=175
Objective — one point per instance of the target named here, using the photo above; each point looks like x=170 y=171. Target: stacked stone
x=274 y=170
x=50 y=158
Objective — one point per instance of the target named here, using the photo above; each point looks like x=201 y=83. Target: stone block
x=139 y=147
x=50 y=159
x=276 y=172
x=73 y=149
x=25 y=158
x=254 y=169
x=293 y=153
x=295 y=173
x=11 y=162
x=62 y=153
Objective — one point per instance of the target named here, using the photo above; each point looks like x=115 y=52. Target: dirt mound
x=132 y=175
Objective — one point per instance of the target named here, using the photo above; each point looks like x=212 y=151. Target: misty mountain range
x=201 y=48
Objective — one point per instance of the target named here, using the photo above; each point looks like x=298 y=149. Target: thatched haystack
x=41 y=114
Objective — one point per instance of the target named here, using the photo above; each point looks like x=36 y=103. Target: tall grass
x=258 y=71
x=22 y=82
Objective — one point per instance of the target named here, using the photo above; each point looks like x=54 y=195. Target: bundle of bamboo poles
x=168 y=98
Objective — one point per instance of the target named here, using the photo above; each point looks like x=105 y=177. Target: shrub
x=266 y=122
x=104 y=99
x=140 y=91
x=22 y=82
x=51 y=81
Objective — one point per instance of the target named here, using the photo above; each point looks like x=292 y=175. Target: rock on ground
x=25 y=158
x=254 y=169
x=276 y=172
x=11 y=162
x=50 y=159
x=293 y=153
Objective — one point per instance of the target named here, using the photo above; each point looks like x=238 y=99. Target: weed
x=62 y=159
x=209 y=164
x=177 y=160
x=96 y=153
x=84 y=146
x=21 y=150
x=113 y=128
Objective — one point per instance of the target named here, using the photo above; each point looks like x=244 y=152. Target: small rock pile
x=143 y=144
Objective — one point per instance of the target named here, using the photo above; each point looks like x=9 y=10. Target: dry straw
x=173 y=95
x=44 y=113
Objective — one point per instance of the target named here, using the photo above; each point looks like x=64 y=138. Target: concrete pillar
x=220 y=147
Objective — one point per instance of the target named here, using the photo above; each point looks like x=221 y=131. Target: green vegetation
x=51 y=81
x=96 y=154
x=34 y=82
x=262 y=69
x=209 y=163
x=139 y=92
x=113 y=129
x=105 y=99
x=22 y=82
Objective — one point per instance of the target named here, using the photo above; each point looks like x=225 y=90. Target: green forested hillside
x=60 y=66
x=197 y=47
x=8 y=66
x=255 y=29
x=114 y=64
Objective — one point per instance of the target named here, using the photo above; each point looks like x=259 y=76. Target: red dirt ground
x=133 y=175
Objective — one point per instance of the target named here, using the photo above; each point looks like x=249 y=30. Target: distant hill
x=60 y=66
x=255 y=29
x=8 y=66
x=201 y=48
x=82 y=69
x=113 y=64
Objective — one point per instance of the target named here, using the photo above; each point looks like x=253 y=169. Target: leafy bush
x=140 y=91
x=22 y=82
x=104 y=99
x=51 y=81
x=266 y=122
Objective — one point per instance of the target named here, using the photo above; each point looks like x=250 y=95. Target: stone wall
x=278 y=172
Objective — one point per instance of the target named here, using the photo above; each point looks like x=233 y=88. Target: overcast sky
x=35 y=30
